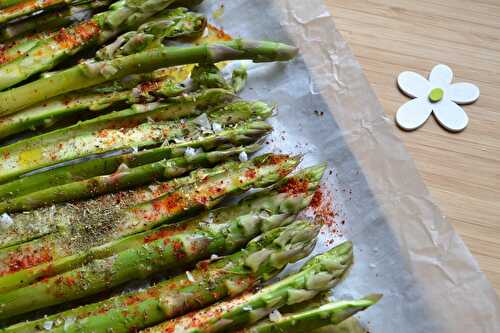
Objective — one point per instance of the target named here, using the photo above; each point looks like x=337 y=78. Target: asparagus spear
x=245 y=133
x=139 y=126
x=209 y=282
x=350 y=325
x=271 y=208
x=95 y=222
x=122 y=179
x=122 y=16
x=48 y=21
x=318 y=274
x=90 y=74
x=329 y=314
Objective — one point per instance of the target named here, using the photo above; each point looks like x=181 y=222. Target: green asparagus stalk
x=329 y=314
x=121 y=179
x=245 y=133
x=209 y=282
x=140 y=126
x=95 y=222
x=90 y=74
x=122 y=16
x=48 y=21
x=319 y=274
x=269 y=208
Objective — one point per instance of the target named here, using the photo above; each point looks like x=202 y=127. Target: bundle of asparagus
x=262 y=259
x=122 y=214
x=48 y=52
x=229 y=228
x=129 y=191
x=319 y=274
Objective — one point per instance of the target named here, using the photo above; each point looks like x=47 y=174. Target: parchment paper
x=404 y=246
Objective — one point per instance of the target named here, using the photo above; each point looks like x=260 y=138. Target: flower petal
x=413 y=84
x=441 y=75
x=413 y=114
x=450 y=116
x=463 y=93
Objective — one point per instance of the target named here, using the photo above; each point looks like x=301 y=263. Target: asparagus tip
x=373 y=298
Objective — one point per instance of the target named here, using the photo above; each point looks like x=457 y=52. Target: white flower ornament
x=436 y=95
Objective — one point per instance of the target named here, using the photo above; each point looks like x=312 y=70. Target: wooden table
x=462 y=170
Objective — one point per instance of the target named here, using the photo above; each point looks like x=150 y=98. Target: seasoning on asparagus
x=208 y=283
x=319 y=274
x=93 y=73
x=269 y=208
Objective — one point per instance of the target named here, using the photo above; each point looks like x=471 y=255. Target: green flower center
x=436 y=95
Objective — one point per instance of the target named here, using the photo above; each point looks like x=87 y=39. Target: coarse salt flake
x=275 y=316
x=5 y=220
x=190 y=151
x=68 y=322
x=190 y=276
x=202 y=121
x=243 y=156
x=48 y=325
x=216 y=127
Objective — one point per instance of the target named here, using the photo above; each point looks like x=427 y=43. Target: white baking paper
x=405 y=249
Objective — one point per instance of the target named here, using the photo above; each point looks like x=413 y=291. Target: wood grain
x=461 y=170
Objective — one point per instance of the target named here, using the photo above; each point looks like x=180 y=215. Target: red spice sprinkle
x=164 y=233
x=274 y=159
x=26 y=259
x=251 y=173
x=168 y=204
x=322 y=207
x=70 y=281
x=295 y=186
x=132 y=300
x=148 y=86
x=203 y=265
x=80 y=34
x=219 y=33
